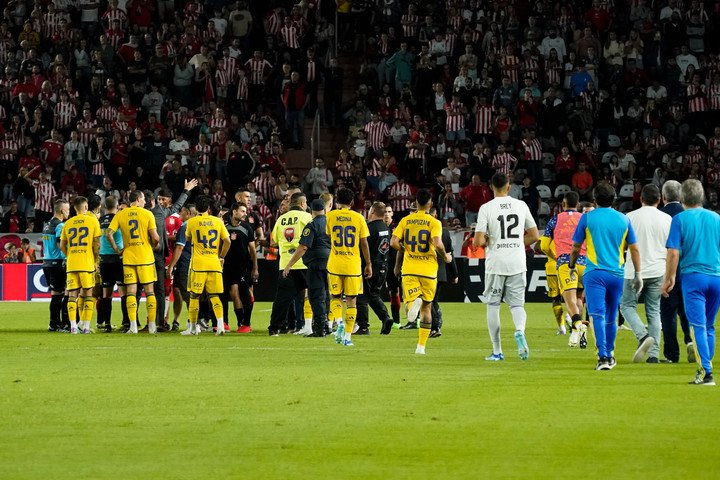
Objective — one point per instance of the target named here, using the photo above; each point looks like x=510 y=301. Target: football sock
x=72 y=311
x=519 y=317
x=87 y=311
x=424 y=330
x=576 y=320
x=55 y=308
x=558 y=312
x=240 y=315
x=151 y=305
x=101 y=310
x=64 y=311
x=124 y=309
x=395 y=307
x=493 y=321
x=193 y=310
x=132 y=309
x=217 y=310
x=307 y=311
x=350 y=316
x=78 y=312
x=336 y=309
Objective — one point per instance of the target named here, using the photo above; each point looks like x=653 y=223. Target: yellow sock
x=336 y=308
x=217 y=309
x=151 y=306
x=193 y=309
x=79 y=311
x=132 y=307
x=423 y=335
x=307 y=310
x=72 y=308
x=558 y=311
x=350 y=315
x=88 y=307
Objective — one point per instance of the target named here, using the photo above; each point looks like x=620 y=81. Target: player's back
x=416 y=231
x=505 y=220
x=206 y=233
x=105 y=247
x=50 y=238
x=135 y=224
x=79 y=234
x=346 y=228
x=565 y=225
x=286 y=233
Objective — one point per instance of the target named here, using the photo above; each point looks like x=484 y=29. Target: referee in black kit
x=379 y=243
x=314 y=249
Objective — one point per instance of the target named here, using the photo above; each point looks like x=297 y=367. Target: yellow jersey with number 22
x=79 y=234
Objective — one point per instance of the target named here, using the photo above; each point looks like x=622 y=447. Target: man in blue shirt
x=54 y=267
x=694 y=243
x=607 y=233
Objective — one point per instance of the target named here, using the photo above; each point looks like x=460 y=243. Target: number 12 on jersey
x=508 y=225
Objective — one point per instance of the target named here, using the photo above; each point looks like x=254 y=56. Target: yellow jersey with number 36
x=346 y=228
x=135 y=224
x=79 y=234
x=416 y=232
x=206 y=234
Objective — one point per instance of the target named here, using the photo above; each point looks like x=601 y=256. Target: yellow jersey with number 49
x=135 y=224
x=416 y=232
x=346 y=228
x=206 y=234
x=79 y=234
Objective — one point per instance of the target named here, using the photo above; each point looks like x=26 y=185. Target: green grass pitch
x=165 y=407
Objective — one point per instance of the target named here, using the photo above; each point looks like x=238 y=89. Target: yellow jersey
x=547 y=244
x=79 y=233
x=286 y=233
x=206 y=233
x=135 y=224
x=416 y=232
x=346 y=228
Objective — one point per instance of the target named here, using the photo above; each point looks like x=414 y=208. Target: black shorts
x=235 y=275
x=393 y=282
x=111 y=274
x=55 y=277
x=180 y=278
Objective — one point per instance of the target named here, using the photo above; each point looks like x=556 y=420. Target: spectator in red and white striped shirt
x=503 y=162
x=290 y=35
x=455 y=119
x=377 y=133
x=401 y=195
x=65 y=112
x=44 y=196
x=87 y=128
x=265 y=184
x=533 y=155
x=112 y=14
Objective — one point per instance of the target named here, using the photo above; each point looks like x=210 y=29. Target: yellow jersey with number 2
x=79 y=234
x=346 y=228
x=206 y=233
x=416 y=232
x=135 y=224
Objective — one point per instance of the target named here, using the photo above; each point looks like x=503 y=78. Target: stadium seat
x=561 y=190
x=607 y=157
x=544 y=192
x=613 y=141
x=627 y=191
x=520 y=174
x=548 y=159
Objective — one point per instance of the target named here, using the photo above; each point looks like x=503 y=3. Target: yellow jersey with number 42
x=135 y=224
x=416 y=232
x=206 y=234
x=346 y=228
x=79 y=234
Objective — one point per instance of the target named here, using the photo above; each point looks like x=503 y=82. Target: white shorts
x=507 y=288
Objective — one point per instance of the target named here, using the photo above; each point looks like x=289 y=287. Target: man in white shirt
x=651 y=230
x=553 y=41
x=626 y=163
x=656 y=92
x=505 y=227
x=179 y=145
x=686 y=58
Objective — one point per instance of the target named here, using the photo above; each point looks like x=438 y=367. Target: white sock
x=133 y=326
x=347 y=336
x=73 y=324
x=308 y=324
x=493 y=321
x=167 y=306
x=151 y=327
x=519 y=318
x=86 y=325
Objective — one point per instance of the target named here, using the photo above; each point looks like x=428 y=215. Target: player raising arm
x=139 y=233
x=210 y=243
x=418 y=239
x=80 y=242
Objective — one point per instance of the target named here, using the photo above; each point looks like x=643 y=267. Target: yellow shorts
x=553 y=290
x=77 y=280
x=418 y=287
x=350 y=286
x=210 y=282
x=142 y=274
x=567 y=283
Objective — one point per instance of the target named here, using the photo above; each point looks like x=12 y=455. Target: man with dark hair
x=54 y=268
x=505 y=227
x=694 y=245
x=211 y=242
x=560 y=230
x=608 y=234
x=652 y=228
x=180 y=264
x=286 y=237
x=393 y=282
x=447 y=273
x=314 y=249
x=418 y=240
x=111 y=270
x=80 y=242
x=241 y=268
x=348 y=233
x=379 y=245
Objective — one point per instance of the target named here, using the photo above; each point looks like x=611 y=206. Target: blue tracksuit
x=606 y=233
x=695 y=233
